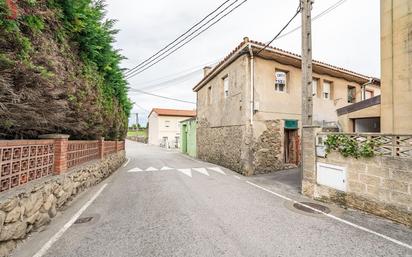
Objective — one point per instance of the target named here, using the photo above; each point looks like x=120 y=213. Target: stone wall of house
x=31 y=207
x=227 y=146
x=267 y=148
x=380 y=185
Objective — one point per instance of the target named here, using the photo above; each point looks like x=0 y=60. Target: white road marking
x=334 y=217
x=127 y=162
x=237 y=177
x=166 y=168
x=187 y=172
x=57 y=236
x=135 y=170
x=218 y=170
x=202 y=171
x=151 y=169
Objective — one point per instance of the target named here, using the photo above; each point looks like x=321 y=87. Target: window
x=351 y=94
x=209 y=95
x=226 y=87
x=167 y=123
x=327 y=89
x=280 y=81
x=368 y=94
x=315 y=87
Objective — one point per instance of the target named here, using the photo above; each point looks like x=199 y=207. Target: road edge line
x=334 y=217
x=127 y=162
x=57 y=236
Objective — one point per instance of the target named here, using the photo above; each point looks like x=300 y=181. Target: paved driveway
x=166 y=204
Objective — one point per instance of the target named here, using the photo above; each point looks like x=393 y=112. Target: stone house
x=249 y=106
x=164 y=126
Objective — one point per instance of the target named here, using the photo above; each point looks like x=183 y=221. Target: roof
x=187 y=120
x=293 y=59
x=359 y=105
x=173 y=112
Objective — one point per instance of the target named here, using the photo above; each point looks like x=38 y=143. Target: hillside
x=59 y=72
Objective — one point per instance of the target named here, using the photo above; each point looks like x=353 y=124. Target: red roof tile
x=173 y=112
x=246 y=42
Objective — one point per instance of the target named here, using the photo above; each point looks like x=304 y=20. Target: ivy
x=350 y=147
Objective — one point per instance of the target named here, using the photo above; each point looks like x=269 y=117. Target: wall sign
x=280 y=77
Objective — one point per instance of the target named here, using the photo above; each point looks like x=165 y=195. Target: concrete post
x=309 y=159
x=60 y=151
x=101 y=147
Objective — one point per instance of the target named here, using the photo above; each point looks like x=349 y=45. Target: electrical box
x=332 y=176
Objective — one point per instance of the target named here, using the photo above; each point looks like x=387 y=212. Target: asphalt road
x=208 y=211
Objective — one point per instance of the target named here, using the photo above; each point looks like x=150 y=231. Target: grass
x=142 y=133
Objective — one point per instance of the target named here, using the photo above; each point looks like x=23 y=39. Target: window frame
x=226 y=85
x=330 y=83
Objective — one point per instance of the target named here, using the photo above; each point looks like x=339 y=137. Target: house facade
x=164 y=126
x=188 y=137
x=249 y=106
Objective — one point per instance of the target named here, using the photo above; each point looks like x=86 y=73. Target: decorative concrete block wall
x=381 y=185
x=39 y=177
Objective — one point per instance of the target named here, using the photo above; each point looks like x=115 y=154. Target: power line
x=186 y=71
x=237 y=6
x=326 y=11
x=323 y=13
x=142 y=68
x=165 y=97
x=284 y=27
x=182 y=35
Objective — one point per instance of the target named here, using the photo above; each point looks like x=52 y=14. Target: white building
x=164 y=126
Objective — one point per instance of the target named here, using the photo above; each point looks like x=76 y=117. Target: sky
x=348 y=37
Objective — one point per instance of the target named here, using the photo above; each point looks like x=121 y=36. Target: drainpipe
x=363 y=89
x=252 y=83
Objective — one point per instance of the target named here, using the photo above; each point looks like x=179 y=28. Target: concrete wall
x=31 y=207
x=379 y=185
x=396 y=66
x=153 y=131
x=188 y=137
x=346 y=121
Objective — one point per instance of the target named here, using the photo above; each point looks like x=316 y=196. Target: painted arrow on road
x=134 y=170
x=202 y=171
x=187 y=172
x=218 y=170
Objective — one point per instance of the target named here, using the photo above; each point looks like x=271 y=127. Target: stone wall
x=380 y=185
x=226 y=146
x=267 y=149
x=31 y=207
x=139 y=139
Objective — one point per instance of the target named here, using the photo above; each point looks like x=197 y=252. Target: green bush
x=350 y=147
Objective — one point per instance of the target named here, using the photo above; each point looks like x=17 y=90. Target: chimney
x=206 y=70
x=246 y=40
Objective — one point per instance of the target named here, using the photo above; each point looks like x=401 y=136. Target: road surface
x=163 y=203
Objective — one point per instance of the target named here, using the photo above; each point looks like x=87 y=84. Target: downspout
x=252 y=84
x=363 y=89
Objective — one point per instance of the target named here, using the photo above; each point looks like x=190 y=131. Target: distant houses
x=164 y=126
x=249 y=107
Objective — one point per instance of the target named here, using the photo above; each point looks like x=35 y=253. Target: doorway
x=291 y=146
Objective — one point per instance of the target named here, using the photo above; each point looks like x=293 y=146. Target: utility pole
x=307 y=103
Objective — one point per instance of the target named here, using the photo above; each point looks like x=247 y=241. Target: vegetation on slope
x=59 y=72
